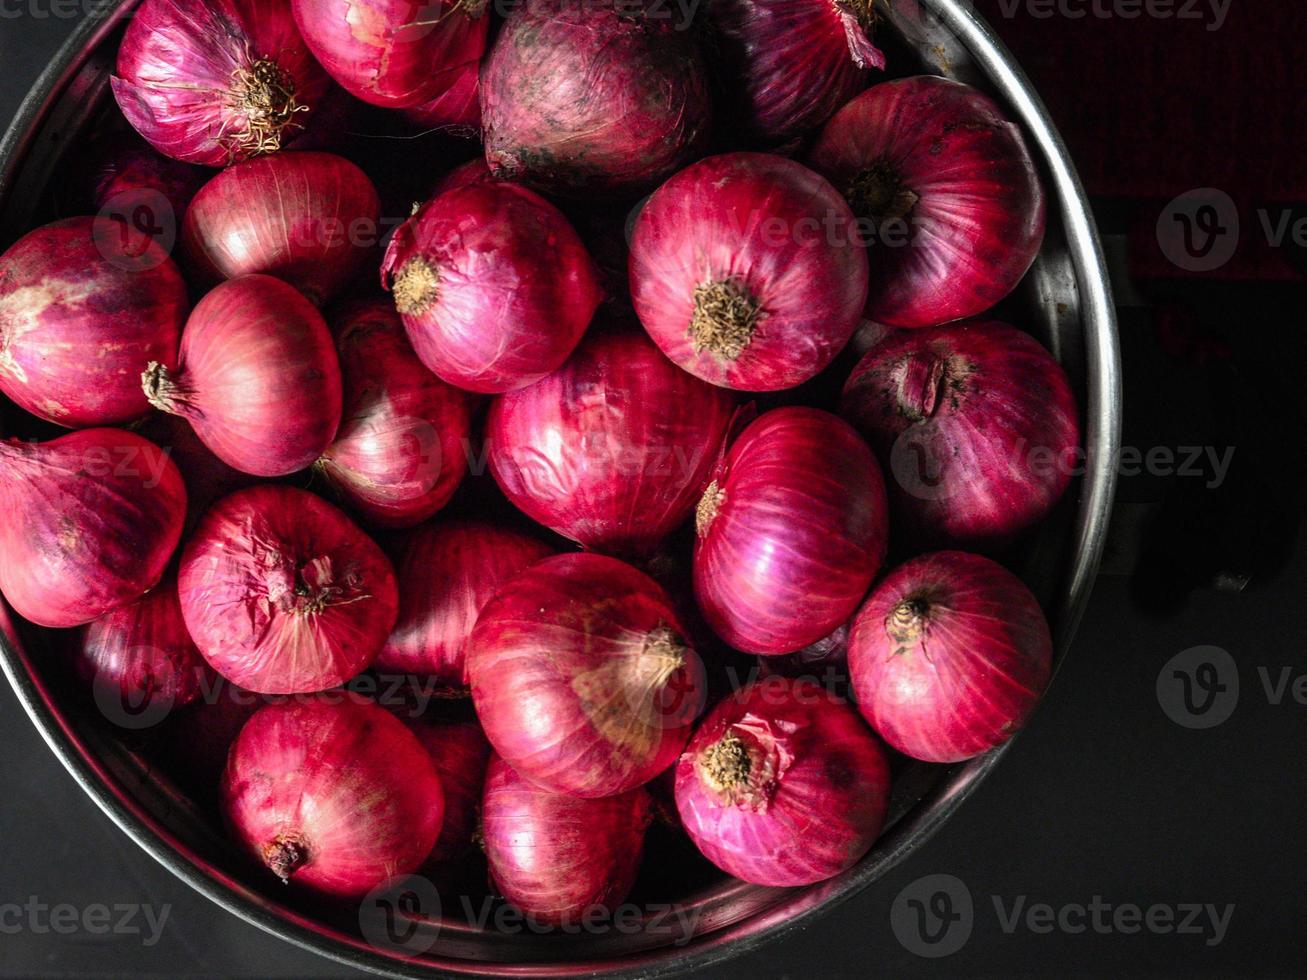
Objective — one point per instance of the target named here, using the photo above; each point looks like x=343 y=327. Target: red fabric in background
x=1153 y=107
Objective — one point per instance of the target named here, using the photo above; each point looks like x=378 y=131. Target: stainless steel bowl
x=1065 y=302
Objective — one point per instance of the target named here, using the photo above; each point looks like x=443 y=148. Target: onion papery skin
x=581 y=678
x=593 y=98
x=215 y=82
x=978 y=427
x=790 y=533
x=746 y=271
x=457 y=108
x=494 y=286
x=447 y=572
x=949 y=656
x=783 y=784
x=282 y=594
x=125 y=174
x=790 y=64
x=394 y=53
x=141 y=656
x=333 y=794
x=460 y=753
x=310 y=219
x=556 y=856
x=91 y=521
x=474 y=171
x=403 y=444
x=614 y=449
x=258 y=377
x=949 y=194
x=84 y=304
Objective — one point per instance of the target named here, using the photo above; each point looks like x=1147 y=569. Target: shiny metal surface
x=1068 y=305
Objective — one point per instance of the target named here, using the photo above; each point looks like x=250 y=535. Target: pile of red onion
x=454 y=504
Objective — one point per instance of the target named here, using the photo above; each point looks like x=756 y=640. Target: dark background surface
x=1104 y=795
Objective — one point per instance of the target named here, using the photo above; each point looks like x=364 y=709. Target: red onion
x=745 y=272
x=84 y=303
x=307 y=218
x=91 y=520
x=140 y=658
x=494 y=285
x=282 y=594
x=465 y=173
x=792 y=63
x=216 y=81
x=602 y=96
x=556 y=857
x=783 y=785
x=825 y=661
x=457 y=108
x=949 y=656
x=613 y=449
x=945 y=186
x=394 y=53
x=791 y=532
x=978 y=425
x=581 y=678
x=131 y=182
x=402 y=448
x=258 y=377
x=447 y=572
x=332 y=793
x=460 y=753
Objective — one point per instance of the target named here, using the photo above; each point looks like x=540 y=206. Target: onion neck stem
x=878 y=194
x=285 y=854
x=709 y=505
x=164 y=391
x=725 y=316
x=925 y=381
x=908 y=620
x=726 y=764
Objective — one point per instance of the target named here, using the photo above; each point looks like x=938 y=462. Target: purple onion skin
x=949 y=656
x=612 y=450
x=950 y=194
x=85 y=304
x=790 y=64
x=581 y=677
x=555 y=856
x=447 y=572
x=283 y=594
x=333 y=794
x=495 y=287
x=582 y=99
x=179 y=75
x=310 y=219
x=977 y=426
x=402 y=448
x=258 y=377
x=773 y=235
x=125 y=173
x=783 y=785
x=142 y=655
x=91 y=520
x=790 y=533
x=460 y=753
x=394 y=53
